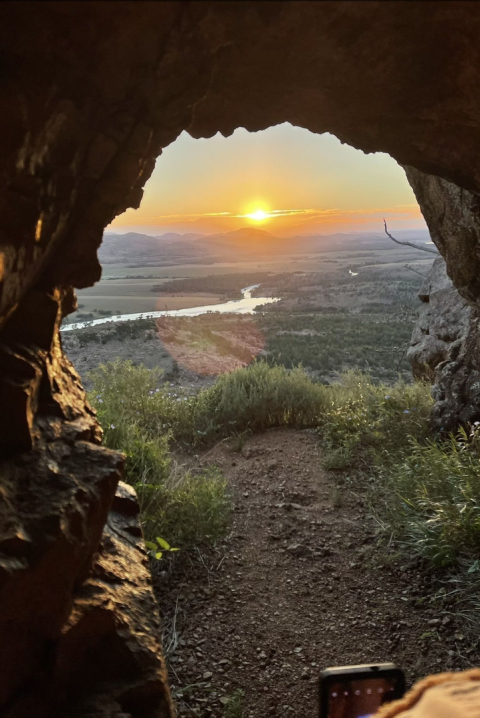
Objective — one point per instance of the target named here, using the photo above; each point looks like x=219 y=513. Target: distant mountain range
x=135 y=249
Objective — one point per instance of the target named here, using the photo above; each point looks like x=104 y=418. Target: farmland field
x=338 y=309
x=125 y=289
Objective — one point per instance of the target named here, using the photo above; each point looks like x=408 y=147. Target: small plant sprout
x=233 y=704
x=158 y=547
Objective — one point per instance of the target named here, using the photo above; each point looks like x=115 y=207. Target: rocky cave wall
x=90 y=94
x=447 y=337
x=440 y=350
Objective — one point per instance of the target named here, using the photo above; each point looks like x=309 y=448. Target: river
x=235 y=306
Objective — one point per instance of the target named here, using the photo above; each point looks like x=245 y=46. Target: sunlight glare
x=259 y=215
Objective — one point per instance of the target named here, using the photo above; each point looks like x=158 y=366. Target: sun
x=259 y=215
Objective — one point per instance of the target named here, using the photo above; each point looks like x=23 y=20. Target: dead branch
x=409 y=244
x=407 y=266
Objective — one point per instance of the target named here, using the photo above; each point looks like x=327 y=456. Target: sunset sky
x=285 y=180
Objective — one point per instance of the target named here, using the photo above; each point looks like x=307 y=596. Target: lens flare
x=211 y=344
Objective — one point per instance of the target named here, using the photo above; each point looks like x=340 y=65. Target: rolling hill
x=135 y=249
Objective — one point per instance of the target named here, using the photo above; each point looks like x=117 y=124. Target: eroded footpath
x=297 y=586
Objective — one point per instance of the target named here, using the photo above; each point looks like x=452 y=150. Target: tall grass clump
x=370 y=424
x=432 y=499
x=424 y=491
x=186 y=508
x=192 y=509
x=251 y=399
x=135 y=395
x=257 y=398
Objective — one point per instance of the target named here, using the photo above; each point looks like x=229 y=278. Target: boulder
x=109 y=660
x=79 y=638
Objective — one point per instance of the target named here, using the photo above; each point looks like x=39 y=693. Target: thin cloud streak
x=362 y=215
x=280 y=222
x=309 y=214
x=195 y=216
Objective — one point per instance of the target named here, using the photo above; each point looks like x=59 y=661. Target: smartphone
x=359 y=691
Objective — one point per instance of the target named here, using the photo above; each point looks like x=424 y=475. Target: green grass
x=434 y=500
x=144 y=418
x=188 y=509
x=371 y=424
x=233 y=705
x=251 y=399
x=192 y=509
x=425 y=492
x=254 y=399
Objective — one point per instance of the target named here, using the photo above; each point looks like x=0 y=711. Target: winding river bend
x=235 y=306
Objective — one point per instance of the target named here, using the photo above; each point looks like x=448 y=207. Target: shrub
x=121 y=392
x=132 y=330
x=88 y=335
x=125 y=393
x=147 y=459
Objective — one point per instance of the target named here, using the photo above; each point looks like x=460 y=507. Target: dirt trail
x=297 y=587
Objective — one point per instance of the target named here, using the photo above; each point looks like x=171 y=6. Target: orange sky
x=290 y=180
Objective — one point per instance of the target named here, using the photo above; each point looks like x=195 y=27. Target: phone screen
x=359 y=698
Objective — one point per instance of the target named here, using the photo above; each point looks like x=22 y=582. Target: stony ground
x=297 y=586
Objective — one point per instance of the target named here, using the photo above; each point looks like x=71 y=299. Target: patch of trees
x=373 y=342
x=228 y=285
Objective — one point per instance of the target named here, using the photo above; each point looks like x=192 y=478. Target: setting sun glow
x=285 y=180
x=259 y=215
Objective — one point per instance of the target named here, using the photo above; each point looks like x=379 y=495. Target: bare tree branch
x=409 y=244
x=407 y=266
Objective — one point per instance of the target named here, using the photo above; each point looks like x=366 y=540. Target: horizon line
x=212 y=234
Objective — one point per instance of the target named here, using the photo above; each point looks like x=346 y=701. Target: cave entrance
x=299 y=214
x=217 y=218
x=91 y=97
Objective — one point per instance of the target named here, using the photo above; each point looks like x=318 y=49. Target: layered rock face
x=453 y=217
x=442 y=326
x=444 y=336
x=447 y=335
x=456 y=390
x=90 y=94
x=79 y=627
